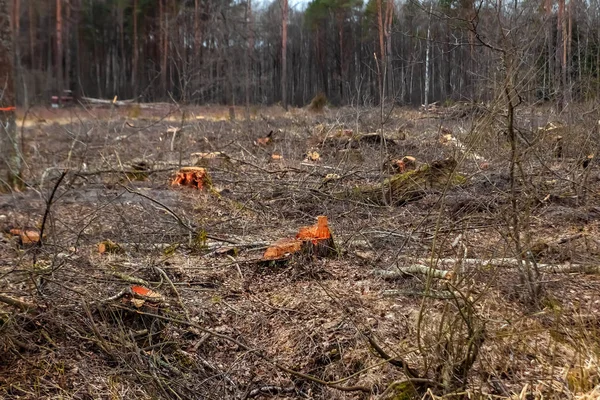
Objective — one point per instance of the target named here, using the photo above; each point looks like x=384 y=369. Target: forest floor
x=228 y=325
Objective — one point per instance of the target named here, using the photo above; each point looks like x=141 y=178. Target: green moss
x=401 y=391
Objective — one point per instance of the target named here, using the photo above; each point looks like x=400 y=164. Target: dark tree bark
x=164 y=46
x=284 y=31
x=58 y=62
x=9 y=143
x=134 y=69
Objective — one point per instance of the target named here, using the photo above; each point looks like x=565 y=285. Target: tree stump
x=192 y=176
x=410 y=186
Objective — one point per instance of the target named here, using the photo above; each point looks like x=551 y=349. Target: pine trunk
x=284 y=30
x=9 y=142
x=134 y=69
x=58 y=62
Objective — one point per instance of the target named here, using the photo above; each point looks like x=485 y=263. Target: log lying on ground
x=413 y=269
x=118 y=103
x=513 y=262
x=411 y=185
x=106 y=102
x=23 y=305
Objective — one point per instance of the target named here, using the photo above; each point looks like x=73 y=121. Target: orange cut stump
x=27 y=236
x=319 y=231
x=192 y=176
x=282 y=248
x=316 y=238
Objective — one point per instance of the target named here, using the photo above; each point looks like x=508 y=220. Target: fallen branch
x=444 y=295
x=272 y=390
x=413 y=269
x=174 y=215
x=396 y=362
x=334 y=385
x=513 y=262
x=23 y=305
x=130 y=279
x=92 y=100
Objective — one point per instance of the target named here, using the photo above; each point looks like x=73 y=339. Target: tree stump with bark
x=410 y=186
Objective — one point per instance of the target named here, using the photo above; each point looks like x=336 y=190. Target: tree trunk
x=164 y=47
x=134 y=69
x=58 y=63
x=249 y=55
x=340 y=23
x=427 y=50
x=550 y=49
x=9 y=142
x=389 y=15
x=32 y=35
x=561 y=54
x=197 y=32
x=284 y=29
x=568 y=51
x=121 y=64
x=381 y=50
x=67 y=40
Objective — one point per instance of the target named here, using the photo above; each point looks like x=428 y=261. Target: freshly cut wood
x=145 y=293
x=282 y=249
x=108 y=246
x=413 y=269
x=410 y=186
x=265 y=141
x=320 y=231
x=192 y=176
x=26 y=236
x=400 y=165
x=315 y=239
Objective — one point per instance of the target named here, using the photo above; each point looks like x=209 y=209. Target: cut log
x=410 y=186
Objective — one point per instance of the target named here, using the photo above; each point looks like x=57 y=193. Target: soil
x=230 y=326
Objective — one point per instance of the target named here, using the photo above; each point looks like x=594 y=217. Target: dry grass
x=311 y=315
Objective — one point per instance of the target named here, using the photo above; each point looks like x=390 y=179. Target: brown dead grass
x=309 y=314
